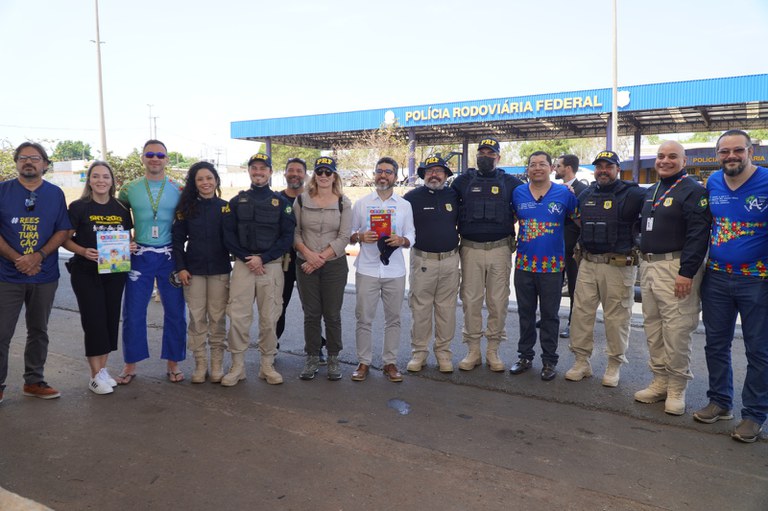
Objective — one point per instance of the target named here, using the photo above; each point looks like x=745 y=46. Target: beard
x=384 y=186
x=294 y=184
x=734 y=171
x=433 y=184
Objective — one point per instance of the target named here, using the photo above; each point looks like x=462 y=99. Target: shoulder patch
x=225 y=208
x=703 y=202
x=275 y=201
x=288 y=210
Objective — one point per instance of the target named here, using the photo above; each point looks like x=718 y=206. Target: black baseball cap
x=608 y=156
x=261 y=157
x=325 y=162
x=490 y=143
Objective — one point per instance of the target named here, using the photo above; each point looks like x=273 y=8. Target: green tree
x=282 y=153
x=180 y=161
x=554 y=147
x=361 y=156
x=701 y=136
x=71 y=150
x=7 y=165
x=758 y=135
x=126 y=169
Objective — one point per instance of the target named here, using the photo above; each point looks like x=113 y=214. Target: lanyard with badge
x=649 y=222
x=155 y=204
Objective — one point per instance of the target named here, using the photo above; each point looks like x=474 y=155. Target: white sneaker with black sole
x=99 y=386
x=104 y=375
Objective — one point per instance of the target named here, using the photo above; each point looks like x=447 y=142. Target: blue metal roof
x=637 y=98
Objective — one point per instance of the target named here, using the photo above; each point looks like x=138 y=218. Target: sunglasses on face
x=323 y=172
x=149 y=155
x=30 y=203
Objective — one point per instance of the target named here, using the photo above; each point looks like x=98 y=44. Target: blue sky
x=205 y=64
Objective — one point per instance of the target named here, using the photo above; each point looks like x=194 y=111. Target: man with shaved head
x=674 y=232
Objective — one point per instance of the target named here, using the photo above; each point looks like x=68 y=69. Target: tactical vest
x=258 y=222
x=485 y=206
x=602 y=229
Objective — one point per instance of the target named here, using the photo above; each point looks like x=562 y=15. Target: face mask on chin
x=486 y=164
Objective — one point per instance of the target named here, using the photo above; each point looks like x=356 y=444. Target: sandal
x=175 y=376
x=125 y=378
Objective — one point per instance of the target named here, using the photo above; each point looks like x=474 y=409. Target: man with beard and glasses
x=33 y=225
x=674 y=233
x=487 y=229
x=736 y=282
x=566 y=167
x=295 y=176
x=382 y=222
x=609 y=210
x=434 y=278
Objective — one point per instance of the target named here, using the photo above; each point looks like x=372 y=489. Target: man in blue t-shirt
x=541 y=207
x=152 y=200
x=736 y=282
x=33 y=225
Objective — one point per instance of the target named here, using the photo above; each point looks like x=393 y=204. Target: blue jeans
x=146 y=266
x=723 y=296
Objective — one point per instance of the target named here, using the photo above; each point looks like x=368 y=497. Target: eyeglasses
x=387 y=172
x=149 y=155
x=34 y=159
x=30 y=203
x=739 y=151
x=538 y=165
x=323 y=172
x=435 y=170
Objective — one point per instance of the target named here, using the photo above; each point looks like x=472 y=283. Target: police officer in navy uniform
x=486 y=226
x=674 y=239
x=258 y=232
x=566 y=167
x=609 y=211
x=434 y=277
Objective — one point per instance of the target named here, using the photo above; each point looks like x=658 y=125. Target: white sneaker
x=99 y=386
x=104 y=375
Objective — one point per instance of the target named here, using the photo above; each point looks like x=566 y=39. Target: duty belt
x=435 y=255
x=612 y=259
x=669 y=256
x=487 y=245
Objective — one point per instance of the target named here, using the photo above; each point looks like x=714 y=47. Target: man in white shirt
x=382 y=222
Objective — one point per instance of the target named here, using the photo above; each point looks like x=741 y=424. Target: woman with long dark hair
x=203 y=267
x=99 y=295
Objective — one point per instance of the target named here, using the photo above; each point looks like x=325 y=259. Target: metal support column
x=636 y=157
x=464 y=154
x=411 y=154
x=609 y=133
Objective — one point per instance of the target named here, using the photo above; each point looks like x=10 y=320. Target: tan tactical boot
x=492 y=357
x=217 y=365
x=581 y=369
x=201 y=367
x=612 y=373
x=675 y=403
x=473 y=358
x=236 y=372
x=655 y=392
x=417 y=362
x=267 y=370
x=444 y=361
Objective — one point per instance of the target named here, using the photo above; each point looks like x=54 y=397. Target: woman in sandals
x=203 y=267
x=323 y=225
x=99 y=295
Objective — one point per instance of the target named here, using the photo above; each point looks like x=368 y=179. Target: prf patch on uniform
x=225 y=208
x=703 y=202
x=275 y=202
x=667 y=202
x=608 y=204
x=288 y=210
x=495 y=190
x=449 y=207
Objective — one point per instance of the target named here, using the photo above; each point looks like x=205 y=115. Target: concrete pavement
x=461 y=441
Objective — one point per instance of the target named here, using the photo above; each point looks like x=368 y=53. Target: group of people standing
x=692 y=245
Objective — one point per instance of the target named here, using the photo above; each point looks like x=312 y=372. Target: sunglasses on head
x=30 y=203
x=151 y=154
x=323 y=172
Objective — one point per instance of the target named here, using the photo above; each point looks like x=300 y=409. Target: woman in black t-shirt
x=99 y=295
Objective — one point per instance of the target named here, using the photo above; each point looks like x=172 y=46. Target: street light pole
x=101 y=88
x=613 y=141
x=150 y=120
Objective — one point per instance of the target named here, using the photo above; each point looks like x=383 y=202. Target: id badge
x=155 y=231
x=649 y=224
